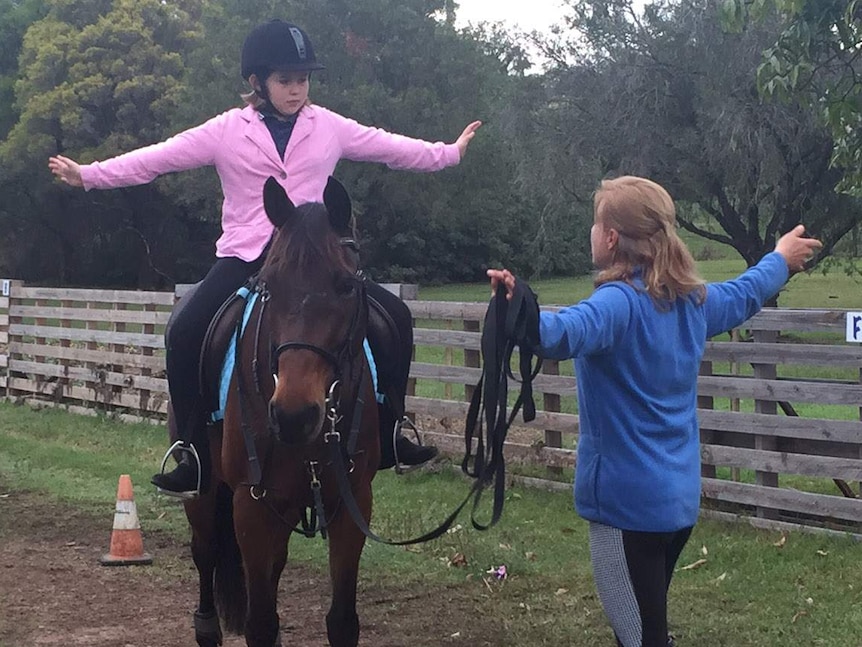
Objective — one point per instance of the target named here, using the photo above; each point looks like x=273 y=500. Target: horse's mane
x=306 y=242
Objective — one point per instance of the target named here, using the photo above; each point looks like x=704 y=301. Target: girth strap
x=255 y=471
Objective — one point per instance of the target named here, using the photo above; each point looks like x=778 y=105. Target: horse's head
x=316 y=316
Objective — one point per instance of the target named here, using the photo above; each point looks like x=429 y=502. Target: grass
x=752 y=590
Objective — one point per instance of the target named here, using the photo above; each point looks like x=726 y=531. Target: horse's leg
x=346 y=541
x=201 y=513
x=262 y=538
x=208 y=539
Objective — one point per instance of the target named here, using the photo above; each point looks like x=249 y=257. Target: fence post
x=767 y=443
x=471 y=358
x=707 y=436
x=5 y=297
x=735 y=474
x=12 y=289
x=551 y=402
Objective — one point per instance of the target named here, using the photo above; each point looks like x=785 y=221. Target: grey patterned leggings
x=632 y=571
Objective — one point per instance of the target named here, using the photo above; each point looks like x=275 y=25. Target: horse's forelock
x=307 y=242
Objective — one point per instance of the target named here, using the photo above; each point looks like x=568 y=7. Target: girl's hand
x=66 y=170
x=796 y=249
x=504 y=276
x=466 y=136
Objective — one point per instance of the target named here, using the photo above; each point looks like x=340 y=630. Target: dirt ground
x=54 y=592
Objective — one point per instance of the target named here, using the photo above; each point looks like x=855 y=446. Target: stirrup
x=399 y=426
x=181 y=447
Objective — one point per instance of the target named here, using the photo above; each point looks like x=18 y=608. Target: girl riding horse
x=279 y=133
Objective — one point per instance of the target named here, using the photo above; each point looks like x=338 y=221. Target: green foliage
x=100 y=81
x=15 y=17
x=95 y=78
x=815 y=57
x=647 y=98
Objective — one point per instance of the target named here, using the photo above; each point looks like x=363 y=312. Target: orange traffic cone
x=127 y=545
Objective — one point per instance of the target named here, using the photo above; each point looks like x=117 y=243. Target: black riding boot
x=403 y=451
x=412 y=454
x=408 y=453
x=192 y=473
x=182 y=481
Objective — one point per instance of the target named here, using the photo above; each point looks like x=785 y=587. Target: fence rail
x=102 y=350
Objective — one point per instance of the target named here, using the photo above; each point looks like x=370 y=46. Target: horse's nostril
x=294 y=426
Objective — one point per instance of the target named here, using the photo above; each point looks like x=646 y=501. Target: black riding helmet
x=277 y=45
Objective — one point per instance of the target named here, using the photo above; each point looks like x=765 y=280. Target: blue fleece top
x=639 y=447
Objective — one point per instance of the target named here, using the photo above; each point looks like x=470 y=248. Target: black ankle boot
x=182 y=482
x=411 y=454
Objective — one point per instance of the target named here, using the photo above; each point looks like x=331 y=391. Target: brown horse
x=296 y=396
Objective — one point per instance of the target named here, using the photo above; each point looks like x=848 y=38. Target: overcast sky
x=526 y=14
x=529 y=15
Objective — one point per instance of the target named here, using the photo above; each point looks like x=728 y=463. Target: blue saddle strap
x=230 y=357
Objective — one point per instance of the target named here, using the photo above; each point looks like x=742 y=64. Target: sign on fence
x=854 y=326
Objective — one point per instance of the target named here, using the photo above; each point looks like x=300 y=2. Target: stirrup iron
x=405 y=422
x=191 y=451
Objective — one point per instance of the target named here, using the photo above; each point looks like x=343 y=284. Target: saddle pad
x=230 y=360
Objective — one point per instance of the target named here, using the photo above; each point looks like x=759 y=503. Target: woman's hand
x=66 y=170
x=796 y=249
x=466 y=136
x=502 y=276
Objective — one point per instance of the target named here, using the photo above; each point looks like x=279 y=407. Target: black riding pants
x=185 y=336
x=393 y=374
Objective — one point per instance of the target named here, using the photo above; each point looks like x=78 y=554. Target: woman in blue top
x=637 y=342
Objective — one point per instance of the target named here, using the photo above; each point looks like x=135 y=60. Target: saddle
x=383 y=336
x=385 y=340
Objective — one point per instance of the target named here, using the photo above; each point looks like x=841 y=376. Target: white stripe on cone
x=126 y=516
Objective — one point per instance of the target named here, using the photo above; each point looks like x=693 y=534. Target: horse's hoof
x=207 y=629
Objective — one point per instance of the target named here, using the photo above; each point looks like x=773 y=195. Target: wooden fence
x=769 y=456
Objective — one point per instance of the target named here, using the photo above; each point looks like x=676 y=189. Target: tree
x=15 y=17
x=97 y=77
x=815 y=56
x=649 y=99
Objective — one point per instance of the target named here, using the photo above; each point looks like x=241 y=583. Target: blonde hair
x=644 y=216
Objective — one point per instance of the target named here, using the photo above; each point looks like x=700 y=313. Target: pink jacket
x=242 y=150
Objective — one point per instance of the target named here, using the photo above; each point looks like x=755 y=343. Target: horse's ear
x=277 y=205
x=338 y=205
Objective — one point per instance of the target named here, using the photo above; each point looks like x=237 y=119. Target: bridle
x=344 y=356
x=345 y=353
